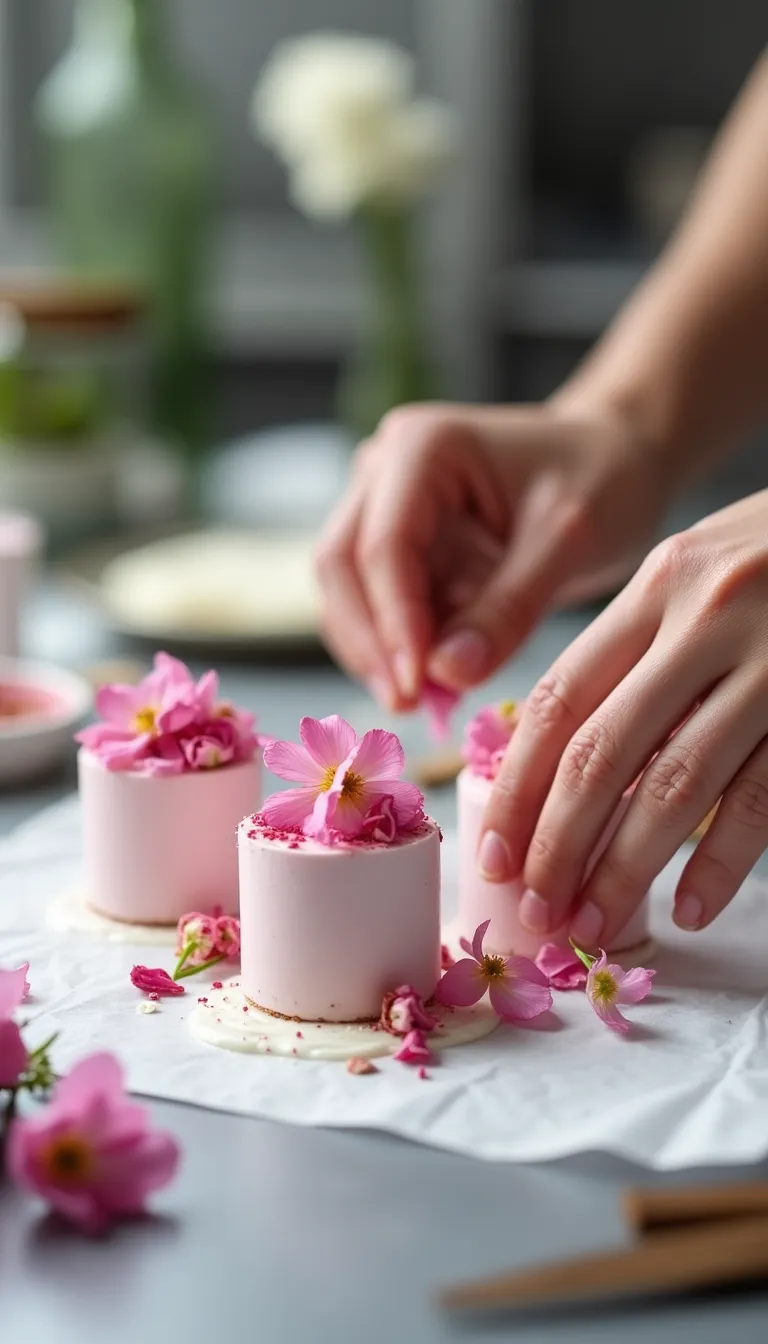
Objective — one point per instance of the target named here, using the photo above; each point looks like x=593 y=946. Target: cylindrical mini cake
x=327 y=930
x=157 y=847
x=499 y=901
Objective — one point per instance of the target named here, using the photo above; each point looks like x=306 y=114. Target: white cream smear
x=70 y=913
x=222 y=1021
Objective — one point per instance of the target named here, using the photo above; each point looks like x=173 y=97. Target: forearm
x=686 y=361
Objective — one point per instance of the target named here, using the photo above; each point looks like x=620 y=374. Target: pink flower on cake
x=370 y=772
x=349 y=786
x=227 y=936
x=13 y=1052
x=403 y=1011
x=169 y=723
x=561 y=966
x=609 y=985
x=414 y=1049
x=486 y=737
x=90 y=1153
x=517 y=989
x=439 y=703
x=154 y=980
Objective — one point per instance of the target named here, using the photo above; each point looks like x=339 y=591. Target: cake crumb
x=300 y=1035
x=217 y=984
x=146 y=1006
x=153 y=995
x=422 y=1072
x=202 y=998
x=358 y=1066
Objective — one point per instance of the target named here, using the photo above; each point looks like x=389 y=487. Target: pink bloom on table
x=90 y=1152
x=486 y=737
x=154 y=980
x=414 y=1049
x=517 y=989
x=369 y=773
x=403 y=1011
x=609 y=985
x=561 y=966
x=196 y=935
x=14 y=988
x=439 y=703
x=227 y=936
x=13 y=1052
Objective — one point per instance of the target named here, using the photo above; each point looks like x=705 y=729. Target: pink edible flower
x=13 y=1052
x=486 y=737
x=414 y=1049
x=154 y=980
x=561 y=966
x=439 y=703
x=168 y=724
x=343 y=780
x=403 y=1011
x=608 y=986
x=227 y=936
x=517 y=989
x=196 y=937
x=90 y=1152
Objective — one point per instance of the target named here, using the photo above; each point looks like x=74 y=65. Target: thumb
x=545 y=551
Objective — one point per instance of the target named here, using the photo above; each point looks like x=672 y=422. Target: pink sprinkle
x=293 y=1051
x=422 y=1073
x=245 y=1007
x=300 y=1035
x=294 y=844
x=217 y=985
x=226 y=998
x=153 y=995
x=202 y=999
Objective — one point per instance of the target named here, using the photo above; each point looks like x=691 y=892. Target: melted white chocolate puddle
x=70 y=913
x=222 y=1021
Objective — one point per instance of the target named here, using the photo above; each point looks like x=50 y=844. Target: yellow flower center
x=493 y=967
x=507 y=709
x=329 y=775
x=144 y=720
x=67 y=1159
x=352 y=787
x=604 y=987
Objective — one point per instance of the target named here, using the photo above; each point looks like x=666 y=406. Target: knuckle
x=747 y=802
x=617 y=883
x=714 y=874
x=547 y=707
x=733 y=577
x=671 y=784
x=544 y=854
x=666 y=561
x=327 y=556
x=589 y=761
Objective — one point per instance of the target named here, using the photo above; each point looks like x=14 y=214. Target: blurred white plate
x=214 y=587
x=42 y=706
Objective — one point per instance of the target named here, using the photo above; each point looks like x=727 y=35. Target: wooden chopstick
x=670 y=1261
x=646 y=1210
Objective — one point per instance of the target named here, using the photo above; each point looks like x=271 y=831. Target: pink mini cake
x=165 y=779
x=485 y=741
x=339 y=880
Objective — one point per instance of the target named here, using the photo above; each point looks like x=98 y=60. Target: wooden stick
x=438 y=769
x=649 y=1209
x=670 y=1261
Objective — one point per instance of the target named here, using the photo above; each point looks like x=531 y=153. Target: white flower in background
x=339 y=110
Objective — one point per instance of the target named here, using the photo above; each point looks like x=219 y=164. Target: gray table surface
x=284 y=1235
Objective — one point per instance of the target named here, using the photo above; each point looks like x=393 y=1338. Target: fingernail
x=688 y=913
x=381 y=691
x=493 y=858
x=406 y=675
x=534 y=913
x=466 y=654
x=588 y=925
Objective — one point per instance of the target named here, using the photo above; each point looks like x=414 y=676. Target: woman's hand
x=464 y=524
x=669 y=688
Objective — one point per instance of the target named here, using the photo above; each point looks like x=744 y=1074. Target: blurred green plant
x=58 y=408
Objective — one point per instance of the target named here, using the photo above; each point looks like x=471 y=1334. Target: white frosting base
x=222 y=1022
x=69 y=913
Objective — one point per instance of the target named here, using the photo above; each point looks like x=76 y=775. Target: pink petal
x=334 y=817
x=610 y=1015
x=13 y=988
x=525 y=969
x=518 y=1000
x=170 y=673
x=96 y=735
x=635 y=985
x=378 y=756
x=328 y=741
x=439 y=703
x=206 y=692
x=97 y=1075
x=118 y=704
x=462 y=985
x=289 y=809
x=126 y=1178
x=466 y=946
x=477 y=941
x=407 y=798
x=288 y=760
x=561 y=966
x=124 y=755
x=13 y=1053
x=414 y=1049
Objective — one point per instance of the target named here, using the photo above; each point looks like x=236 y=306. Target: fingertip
x=405 y=666
x=461 y=659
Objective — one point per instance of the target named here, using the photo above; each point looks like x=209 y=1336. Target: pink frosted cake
x=486 y=737
x=339 y=880
x=165 y=778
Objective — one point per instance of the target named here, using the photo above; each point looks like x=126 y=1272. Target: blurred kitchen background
x=173 y=330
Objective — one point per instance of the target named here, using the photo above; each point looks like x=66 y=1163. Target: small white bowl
x=36 y=737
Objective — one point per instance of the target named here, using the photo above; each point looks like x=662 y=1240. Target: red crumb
x=300 y=1035
x=360 y=1066
x=217 y=984
x=202 y=999
x=245 y=1007
x=153 y=996
x=422 y=1072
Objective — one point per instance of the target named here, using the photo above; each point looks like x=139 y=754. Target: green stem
x=193 y=970
x=584 y=957
x=45 y=1047
x=186 y=954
